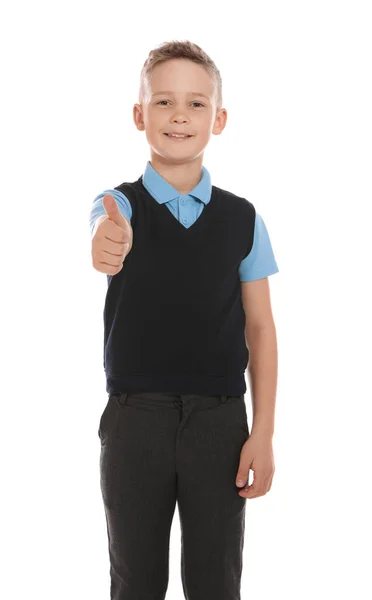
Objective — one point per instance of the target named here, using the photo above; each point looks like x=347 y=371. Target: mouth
x=178 y=138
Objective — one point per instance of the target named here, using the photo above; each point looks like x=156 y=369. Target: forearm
x=262 y=375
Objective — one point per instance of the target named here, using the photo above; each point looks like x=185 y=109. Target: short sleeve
x=260 y=262
x=97 y=208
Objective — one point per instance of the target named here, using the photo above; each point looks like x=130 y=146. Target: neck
x=182 y=176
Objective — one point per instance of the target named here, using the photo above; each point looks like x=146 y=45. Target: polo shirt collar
x=163 y=191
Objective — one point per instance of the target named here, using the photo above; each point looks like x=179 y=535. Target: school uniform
x=175 y=358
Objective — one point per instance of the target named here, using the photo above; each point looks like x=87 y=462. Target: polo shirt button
x=184 y=220
x=183 y=201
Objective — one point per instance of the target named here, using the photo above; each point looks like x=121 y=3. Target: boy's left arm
x=260 y=334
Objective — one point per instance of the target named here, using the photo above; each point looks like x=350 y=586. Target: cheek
x=151 y=119
x=205 y=124
x=205 y=130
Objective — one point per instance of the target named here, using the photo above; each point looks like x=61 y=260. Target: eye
x=192 y=103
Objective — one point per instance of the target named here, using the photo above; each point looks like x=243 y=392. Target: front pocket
x=108 y=418
x=242 y=415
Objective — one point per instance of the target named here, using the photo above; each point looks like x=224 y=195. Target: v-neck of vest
x=173 y=219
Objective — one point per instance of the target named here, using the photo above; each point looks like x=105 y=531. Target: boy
x=188 y=294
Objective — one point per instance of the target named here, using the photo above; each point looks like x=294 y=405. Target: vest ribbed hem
x=187 y=383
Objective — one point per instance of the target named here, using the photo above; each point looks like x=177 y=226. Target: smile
x=178 y=138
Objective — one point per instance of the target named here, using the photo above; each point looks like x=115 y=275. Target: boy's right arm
x=112 y=238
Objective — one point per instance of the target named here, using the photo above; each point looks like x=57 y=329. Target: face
x=171 y=105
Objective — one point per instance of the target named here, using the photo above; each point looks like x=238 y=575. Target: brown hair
x=180 y=49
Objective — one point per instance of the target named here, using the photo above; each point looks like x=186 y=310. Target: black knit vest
x=173 y=316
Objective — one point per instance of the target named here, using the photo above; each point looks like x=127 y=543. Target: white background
x=297 y=88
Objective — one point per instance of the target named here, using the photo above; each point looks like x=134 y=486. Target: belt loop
x=123 y=398
x=223 y=399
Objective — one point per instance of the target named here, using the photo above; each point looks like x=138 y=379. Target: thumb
x=112 y=210
x=242 y=476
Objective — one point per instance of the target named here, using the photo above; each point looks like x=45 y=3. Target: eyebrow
x=191 y=93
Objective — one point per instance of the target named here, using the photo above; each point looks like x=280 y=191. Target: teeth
x=176 y=135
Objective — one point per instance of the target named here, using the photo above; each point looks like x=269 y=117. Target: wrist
x=263 y=428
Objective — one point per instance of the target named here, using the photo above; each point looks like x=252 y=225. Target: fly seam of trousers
x=192 y=406
x=178 y=404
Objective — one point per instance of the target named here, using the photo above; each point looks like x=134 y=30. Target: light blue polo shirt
x=259 y=263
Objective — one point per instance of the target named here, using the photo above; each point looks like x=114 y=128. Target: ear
x=138 y=117
x=220 y=121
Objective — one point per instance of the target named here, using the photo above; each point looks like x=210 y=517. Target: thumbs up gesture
x=112 y=238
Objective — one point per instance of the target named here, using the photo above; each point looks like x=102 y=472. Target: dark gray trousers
x=158 y=449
